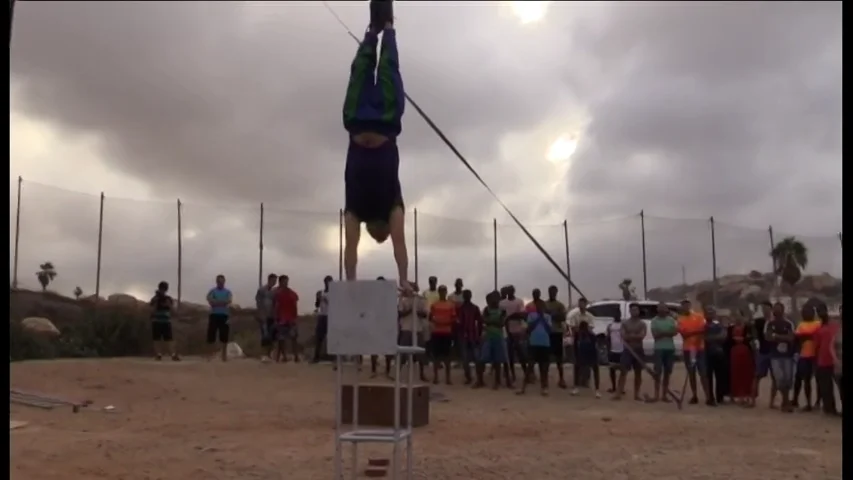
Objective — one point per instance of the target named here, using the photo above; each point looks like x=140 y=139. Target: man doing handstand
x=372 y=112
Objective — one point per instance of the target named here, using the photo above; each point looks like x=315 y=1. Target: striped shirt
x=470 y=322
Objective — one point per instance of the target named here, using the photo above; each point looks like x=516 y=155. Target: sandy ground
x=243 y=420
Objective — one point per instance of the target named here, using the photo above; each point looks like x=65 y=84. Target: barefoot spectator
x=691 y=326
x=431 y=296
x=615 y=349
x=664 y=329
x=516 y=330
x=572 y=323
x=741 y=360
x=493 y=345
x=762 y=357
x=286 y=302
x=633 y=332
x=716 y=358
x=828 y=362
x=470 y=333
x=413 y=314
x=321 y=303
x=162 y=306
x=458 y=343
x=264 y=303
x=805 y=368
x=442 y=317
x=586 y=356
x=538 y=340
x=219 y=298
x=780 y=333
x=557 y=311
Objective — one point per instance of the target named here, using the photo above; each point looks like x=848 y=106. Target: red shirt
x=823 y=344
x=285 y=306
x=470 y=322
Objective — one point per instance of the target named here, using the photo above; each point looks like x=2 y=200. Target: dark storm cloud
x=690 y=110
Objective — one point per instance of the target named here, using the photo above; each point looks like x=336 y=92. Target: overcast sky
x=686 y=110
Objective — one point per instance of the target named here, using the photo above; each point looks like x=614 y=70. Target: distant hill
x=737 y=291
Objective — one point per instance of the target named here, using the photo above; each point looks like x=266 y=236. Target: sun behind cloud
x=562 y=149
x=529 y=12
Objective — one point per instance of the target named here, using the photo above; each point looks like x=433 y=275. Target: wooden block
x=376 y=405
x=378 y=462
x=375 y=472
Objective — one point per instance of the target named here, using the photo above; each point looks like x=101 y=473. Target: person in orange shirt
x=442 y=317
x=805 y=333
x=691 y=326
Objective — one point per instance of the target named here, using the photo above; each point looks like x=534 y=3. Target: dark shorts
x=557 y=346
x=629 y=362
x=161 y=331
x=217 y=328
x=806 y=367
x=615 y=358
x=664 y=362
x=372 y=182
x=540 y=354
x=286 y=331
x=762 y=365
x=698 y=360
x=441 y=346
x=493 y=350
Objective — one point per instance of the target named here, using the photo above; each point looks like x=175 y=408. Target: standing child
x=161 y=323
x=493 y=346
x=587 y=351
x=538 y=340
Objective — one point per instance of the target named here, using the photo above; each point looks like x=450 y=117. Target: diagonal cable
x=470 y=168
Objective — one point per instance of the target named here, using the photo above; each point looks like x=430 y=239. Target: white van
x=607 y=310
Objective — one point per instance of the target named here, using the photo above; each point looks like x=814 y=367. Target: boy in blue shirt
x=219 y=299
x=539 y=346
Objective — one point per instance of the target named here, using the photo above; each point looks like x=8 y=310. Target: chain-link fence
x=100 y=245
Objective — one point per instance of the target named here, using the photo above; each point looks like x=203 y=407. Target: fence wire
x=106 y=245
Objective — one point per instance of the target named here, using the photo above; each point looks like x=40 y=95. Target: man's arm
x=259 y=300
x=210 y=300
x=153 y=301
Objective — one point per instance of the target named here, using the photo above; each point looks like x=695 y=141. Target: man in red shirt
x=284 y=306
x=825 y=363
x=470 y=320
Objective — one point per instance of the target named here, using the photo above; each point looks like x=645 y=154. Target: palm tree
x=46 y=274
x=78 y=292
x=790 y=257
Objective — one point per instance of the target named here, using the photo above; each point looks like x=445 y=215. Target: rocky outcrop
x=737 y=291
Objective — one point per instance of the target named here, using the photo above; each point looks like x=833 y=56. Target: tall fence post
x=180 y=254
x=568 y=260
x=714 y=261
x=18 y=232
x=773 y=261
x=341 y=244
x=100 y=248
x=261 y=247
x=645 y=266
x=495 y=249
x=417 y=263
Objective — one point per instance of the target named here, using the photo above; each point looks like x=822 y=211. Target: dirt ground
x=244 y=420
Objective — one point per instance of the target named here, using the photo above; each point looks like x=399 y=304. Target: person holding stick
x=633 y=332
x=691 y=326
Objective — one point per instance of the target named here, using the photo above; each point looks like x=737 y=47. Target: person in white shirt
x=516 y=327
x=616 y=347
x=322 y=305
x=413 y=312
x=573 y=322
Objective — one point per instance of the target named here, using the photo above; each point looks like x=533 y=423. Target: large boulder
x=40 y=325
